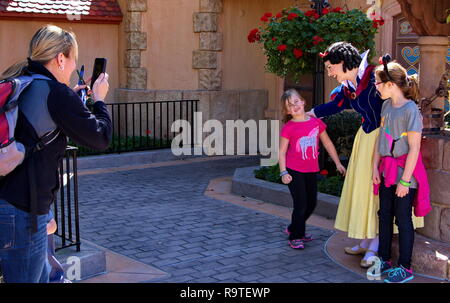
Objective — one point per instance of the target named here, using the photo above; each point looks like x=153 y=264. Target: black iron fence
x=139 y=126
x=65 y=210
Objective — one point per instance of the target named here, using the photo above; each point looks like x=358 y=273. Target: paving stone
x=227 y=275
x=214 y=241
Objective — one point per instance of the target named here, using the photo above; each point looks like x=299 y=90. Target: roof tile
x=90 y=10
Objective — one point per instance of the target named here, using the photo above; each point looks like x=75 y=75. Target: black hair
x=343 y=52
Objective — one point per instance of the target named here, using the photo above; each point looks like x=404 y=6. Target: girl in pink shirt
x=298 y=160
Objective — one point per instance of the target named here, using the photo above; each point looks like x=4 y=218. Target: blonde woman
x=47 y=106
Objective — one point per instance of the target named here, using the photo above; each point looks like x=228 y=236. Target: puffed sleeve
x=338 y=102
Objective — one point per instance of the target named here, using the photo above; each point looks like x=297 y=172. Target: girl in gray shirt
x=398 y=145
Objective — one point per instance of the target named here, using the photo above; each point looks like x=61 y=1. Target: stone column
x=433 y=51
x=206 y=58
x=136 y=43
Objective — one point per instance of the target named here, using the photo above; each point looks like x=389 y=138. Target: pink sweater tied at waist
x=389 y=167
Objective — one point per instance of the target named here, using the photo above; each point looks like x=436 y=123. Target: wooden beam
x=425 y=17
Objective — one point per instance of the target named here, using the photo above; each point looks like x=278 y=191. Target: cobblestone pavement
x=160 y=217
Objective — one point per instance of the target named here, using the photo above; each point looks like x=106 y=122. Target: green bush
x=121 y=144
x=327 y=185
x=342 y=129
x=269 y=173
x=331 y=185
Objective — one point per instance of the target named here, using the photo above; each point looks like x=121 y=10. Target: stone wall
x=136 y=43
x=206 y=59
x=436 y=156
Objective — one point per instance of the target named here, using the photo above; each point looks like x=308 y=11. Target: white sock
x=364 y=244
x=372 y=247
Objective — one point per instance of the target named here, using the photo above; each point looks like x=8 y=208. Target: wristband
x=284 y=172
x=404 y=183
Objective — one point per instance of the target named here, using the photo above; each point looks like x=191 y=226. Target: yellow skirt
x=358 y=206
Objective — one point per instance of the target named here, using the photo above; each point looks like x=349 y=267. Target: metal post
x=75 y=198
x=319 y=86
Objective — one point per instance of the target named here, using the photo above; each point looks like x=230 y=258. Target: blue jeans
x=23 y=255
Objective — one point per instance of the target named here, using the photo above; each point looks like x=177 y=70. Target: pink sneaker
x=306 y=238
x=297 y=244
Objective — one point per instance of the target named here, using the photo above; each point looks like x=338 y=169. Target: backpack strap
x=17 y=85
x=47 y=139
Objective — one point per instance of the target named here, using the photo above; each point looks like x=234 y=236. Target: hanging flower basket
x=291 y=39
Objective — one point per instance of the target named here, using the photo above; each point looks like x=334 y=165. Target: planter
x=246 y=184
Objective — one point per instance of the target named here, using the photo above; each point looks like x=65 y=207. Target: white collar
x=361 y=69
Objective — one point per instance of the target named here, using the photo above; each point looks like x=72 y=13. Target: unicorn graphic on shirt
x=308 y=141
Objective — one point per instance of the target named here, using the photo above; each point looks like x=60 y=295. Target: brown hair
x=46 y=44
x=409 y=85
x=287 y=95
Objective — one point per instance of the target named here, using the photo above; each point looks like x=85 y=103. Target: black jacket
x=64 y=110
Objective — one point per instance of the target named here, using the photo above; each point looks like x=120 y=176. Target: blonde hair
x=287 y=95
x=46 y=44
x=409 y=85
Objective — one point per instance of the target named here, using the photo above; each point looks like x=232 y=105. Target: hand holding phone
x=101 y=87
x=99 y=68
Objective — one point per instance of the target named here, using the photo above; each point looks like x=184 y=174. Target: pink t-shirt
x=303 y=151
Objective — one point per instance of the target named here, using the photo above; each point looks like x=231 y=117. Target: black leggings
x=303 y=188
x=401 y=208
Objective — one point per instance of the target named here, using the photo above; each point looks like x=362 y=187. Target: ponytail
x=14 y=70
x=412 y=92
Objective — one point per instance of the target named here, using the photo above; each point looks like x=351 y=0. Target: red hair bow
x=323 y=54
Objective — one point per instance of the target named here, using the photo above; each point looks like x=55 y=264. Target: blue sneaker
x=399 y=275
x=386 y=267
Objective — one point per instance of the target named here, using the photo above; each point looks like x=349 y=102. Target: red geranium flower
x=317 y=40
x=325 y=11
x=337 y=10
x=378 y=22
x=282 y=47
x=316 y=16
x=310 y=13
x=253 y=36
x=279 y=15
x=292 y=16
x=298 y=53
x=266 y=17
x=324 y=172
x=274 y=39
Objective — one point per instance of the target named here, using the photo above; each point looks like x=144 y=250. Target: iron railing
x=139 y=126
x=66 y=211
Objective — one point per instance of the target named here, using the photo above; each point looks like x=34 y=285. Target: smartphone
x=99 y=67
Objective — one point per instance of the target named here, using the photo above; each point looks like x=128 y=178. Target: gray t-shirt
x=396 y=122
